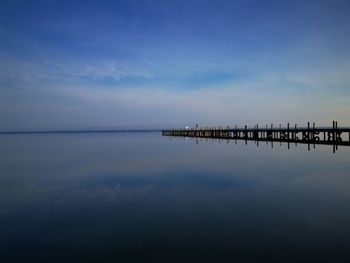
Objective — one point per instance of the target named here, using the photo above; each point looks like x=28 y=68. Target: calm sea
x=141 y=197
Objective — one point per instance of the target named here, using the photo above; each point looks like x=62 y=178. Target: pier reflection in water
x=138 y=197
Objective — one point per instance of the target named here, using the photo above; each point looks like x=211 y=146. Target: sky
x=143 y=64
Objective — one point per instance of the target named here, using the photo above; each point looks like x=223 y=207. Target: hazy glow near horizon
x=158 y=63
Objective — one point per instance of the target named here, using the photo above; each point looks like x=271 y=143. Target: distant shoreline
x=75 y=131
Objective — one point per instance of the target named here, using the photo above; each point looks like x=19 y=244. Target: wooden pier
x=306 y=135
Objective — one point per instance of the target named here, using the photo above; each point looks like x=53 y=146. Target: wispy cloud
x=102 y=70
x=15 y=71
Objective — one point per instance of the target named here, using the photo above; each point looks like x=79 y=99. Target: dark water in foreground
x=138 y=197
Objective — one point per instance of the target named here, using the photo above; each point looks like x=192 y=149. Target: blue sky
x=158 y=63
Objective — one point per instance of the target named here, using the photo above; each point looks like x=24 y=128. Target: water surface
x=136 y=197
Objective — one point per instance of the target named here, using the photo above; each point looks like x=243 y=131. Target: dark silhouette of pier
x=310 y=135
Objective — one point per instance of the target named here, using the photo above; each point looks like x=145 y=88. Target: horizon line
x=78 y=131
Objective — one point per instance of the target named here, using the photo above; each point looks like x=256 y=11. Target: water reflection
x=310 y=139
x=127 y=197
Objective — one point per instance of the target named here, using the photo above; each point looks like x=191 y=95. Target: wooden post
x=336 y=130
x=272 y=133
x=336 y=133
x=288 y=136
x=280 y=133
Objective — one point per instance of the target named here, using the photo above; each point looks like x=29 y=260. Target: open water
x=141 y=197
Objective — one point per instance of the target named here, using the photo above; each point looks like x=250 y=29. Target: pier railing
x=308 y=135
